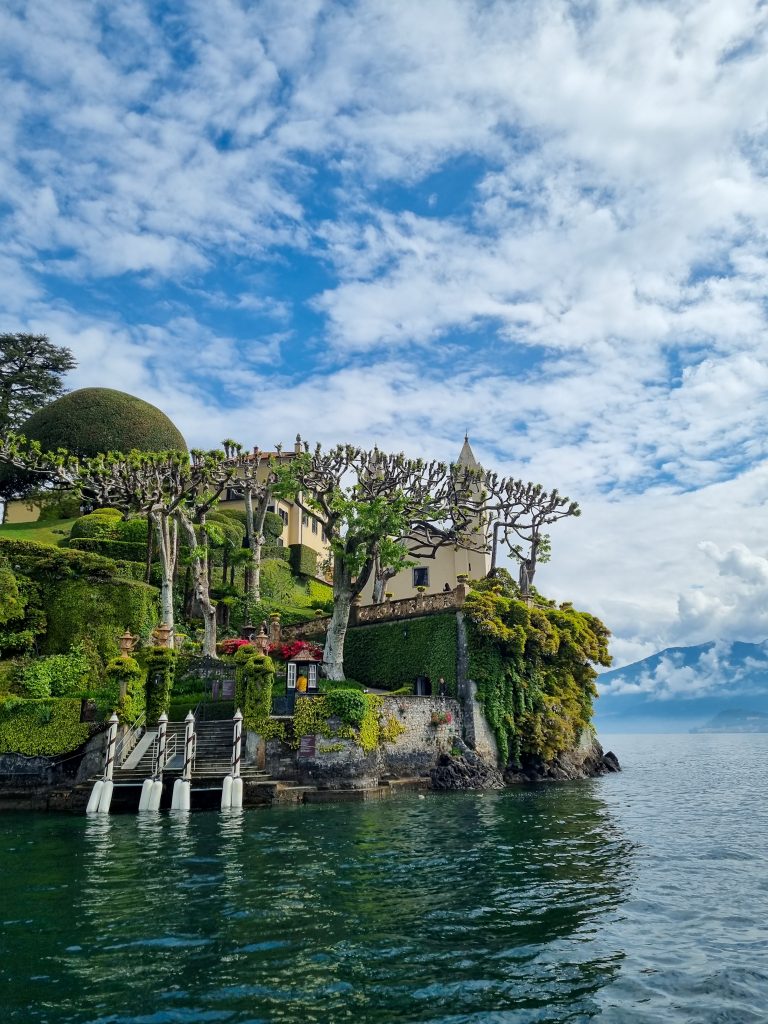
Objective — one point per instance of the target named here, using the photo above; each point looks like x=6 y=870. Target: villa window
x=304 y=519
x=421 y=576
x=314 y=526
x=283 y=515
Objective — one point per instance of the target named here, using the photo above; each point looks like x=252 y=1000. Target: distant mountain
x=736 y=721
x=682 y=688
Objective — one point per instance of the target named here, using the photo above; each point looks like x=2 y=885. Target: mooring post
x=101 y=794
x=152 y=788
x=182 y=787
x=232 y=787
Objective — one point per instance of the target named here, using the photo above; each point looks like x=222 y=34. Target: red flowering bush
x=233 y=644
x=292 y=648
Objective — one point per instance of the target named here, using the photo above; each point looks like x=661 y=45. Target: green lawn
x=51 y=532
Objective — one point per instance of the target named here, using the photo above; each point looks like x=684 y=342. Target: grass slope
x=52 y=532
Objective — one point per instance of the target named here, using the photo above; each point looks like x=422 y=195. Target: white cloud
x=585 y=293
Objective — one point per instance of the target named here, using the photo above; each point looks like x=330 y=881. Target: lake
x=640 y=897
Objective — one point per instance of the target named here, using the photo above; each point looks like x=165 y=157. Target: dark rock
x=585 y=761
x=461 y=773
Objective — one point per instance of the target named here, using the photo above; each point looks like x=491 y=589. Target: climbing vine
x=161 y=670
x=534 y=669
x=127 y=671
x=347 y=715
x=257 y=677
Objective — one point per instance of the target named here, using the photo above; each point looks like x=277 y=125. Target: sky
x=541 y=222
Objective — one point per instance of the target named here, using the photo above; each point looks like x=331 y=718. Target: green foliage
x=238 y=514
x=38 y=727
x=534 y=668
x=59 y=675
x=277 y=583
x=320 y=595
x=11 y=601
x=387 y=654
x=231 y=531
x=121 y=550
x=345 y=714
x=127 y=671
x=97 y=610
x=272 y=551
x=160 y=664
x=326 y=685
x=303 y=560
x=134 y=530
x=347 y=704
x=100 y=524
x=258 y=677
x=90 y=421
x=273 y=526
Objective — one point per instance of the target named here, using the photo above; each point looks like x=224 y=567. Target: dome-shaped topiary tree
x=94 y=420
x=90 y=421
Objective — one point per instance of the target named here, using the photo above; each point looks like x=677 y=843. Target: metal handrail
x=171 y=742
x=130 y=739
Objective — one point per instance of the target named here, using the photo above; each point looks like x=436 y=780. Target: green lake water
x=641 y=897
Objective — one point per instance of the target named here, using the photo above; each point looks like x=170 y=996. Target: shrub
x=127 y=671
x=161 y=669
x=59 y=675
x=40 y=727
x=122 y=550
x=273 y=526
x=386 y=654
x=101 y=525
x=303 y=560
x=277 y=584
x=90 y=421
x=11 y=602
x=347 y=704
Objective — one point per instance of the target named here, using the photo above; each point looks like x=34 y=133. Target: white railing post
x=232 y=786
x=101 y=794
x=152 y=788
x=182 y=787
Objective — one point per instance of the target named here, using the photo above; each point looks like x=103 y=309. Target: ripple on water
x=639 y=898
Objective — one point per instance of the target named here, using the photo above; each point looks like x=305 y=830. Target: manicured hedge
x=303 y=560
x=96 y=525
x=79 y=609
x=390 y=654
x=76 y=595
x=123 y=550
x=36 y=727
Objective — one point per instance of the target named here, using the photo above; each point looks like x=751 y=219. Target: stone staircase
x=212 y=761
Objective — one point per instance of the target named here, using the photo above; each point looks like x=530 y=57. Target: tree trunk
x=333 y=655
x=165 y=549
x=150 y=543
x=200 y=586
x=344 y=592
x=383 y=576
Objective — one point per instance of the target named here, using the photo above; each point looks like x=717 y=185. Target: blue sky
x=383 y=221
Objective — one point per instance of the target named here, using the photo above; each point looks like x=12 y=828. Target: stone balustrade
x=387 y=611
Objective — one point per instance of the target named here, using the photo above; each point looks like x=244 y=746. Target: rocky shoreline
x=468 y=771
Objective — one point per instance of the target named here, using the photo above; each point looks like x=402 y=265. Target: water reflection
x=422 y=910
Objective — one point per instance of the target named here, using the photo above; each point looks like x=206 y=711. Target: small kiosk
x=302 y=674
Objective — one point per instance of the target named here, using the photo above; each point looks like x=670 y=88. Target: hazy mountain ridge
x=681 y=688
x=736 y=720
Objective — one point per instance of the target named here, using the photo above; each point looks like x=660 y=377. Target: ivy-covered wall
x=391 y=654
x=534 y=669
x=33 y=727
